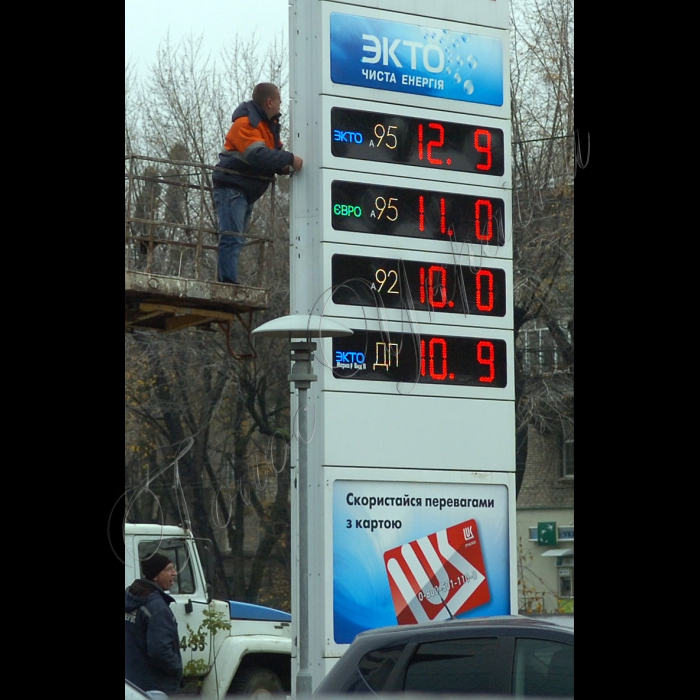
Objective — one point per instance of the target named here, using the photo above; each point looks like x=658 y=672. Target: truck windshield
x=177 y=552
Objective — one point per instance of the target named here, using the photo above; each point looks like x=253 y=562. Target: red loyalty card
x=438 y=576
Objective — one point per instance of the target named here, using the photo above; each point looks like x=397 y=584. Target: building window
x=565 y=533
x=568 y=458
x=540 y=353
x=532 y=534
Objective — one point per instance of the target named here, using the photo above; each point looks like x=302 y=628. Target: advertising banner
x=406 y=552
x=418 y=59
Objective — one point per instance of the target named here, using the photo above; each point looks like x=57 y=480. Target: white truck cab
x=252 y=658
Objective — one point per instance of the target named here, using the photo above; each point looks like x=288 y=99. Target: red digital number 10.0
x=436 y=281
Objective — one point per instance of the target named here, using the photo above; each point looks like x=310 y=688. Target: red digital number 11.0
x=483 y=233
x=421 y=215
x=483 y=218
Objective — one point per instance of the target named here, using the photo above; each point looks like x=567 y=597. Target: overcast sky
x=146 y=23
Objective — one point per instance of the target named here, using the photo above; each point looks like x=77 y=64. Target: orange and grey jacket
x=253 y=150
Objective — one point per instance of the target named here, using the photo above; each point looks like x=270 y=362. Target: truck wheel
x=257 y=683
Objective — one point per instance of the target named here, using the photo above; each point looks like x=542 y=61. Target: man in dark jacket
x=152 y=658
x=252 y=150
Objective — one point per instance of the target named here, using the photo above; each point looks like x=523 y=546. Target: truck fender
x=231 y=653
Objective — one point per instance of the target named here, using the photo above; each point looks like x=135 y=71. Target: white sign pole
x=401 y=229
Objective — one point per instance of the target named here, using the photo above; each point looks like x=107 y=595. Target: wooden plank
x=174 y=323
x=140 y=319
x=184 y=310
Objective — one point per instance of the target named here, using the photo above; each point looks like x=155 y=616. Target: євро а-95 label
x=401 y=211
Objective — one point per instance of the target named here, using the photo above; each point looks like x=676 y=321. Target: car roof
x=493 y=624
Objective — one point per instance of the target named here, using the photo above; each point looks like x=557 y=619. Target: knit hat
x=152 y=565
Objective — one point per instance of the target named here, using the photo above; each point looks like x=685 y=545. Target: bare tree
x=542 y=97
x=191 y=385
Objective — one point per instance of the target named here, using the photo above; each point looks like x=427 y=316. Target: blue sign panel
x=384 y=55
x=417 y=552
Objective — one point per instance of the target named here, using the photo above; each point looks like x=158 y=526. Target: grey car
x=505 y=655
x=133 y=692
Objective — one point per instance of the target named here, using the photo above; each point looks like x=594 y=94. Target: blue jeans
x=233 y=212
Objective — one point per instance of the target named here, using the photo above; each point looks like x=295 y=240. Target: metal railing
x=170 y=222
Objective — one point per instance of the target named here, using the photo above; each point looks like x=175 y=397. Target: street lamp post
x=303 y=327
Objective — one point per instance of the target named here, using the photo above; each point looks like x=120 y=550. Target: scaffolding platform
x=171 y=251
x=165 y=303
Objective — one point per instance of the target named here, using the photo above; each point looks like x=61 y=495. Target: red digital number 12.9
x=441 y=130
x=483 y=149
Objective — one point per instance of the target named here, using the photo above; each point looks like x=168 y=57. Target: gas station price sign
x=420 y=358
x=426 y=142
x=409 y=284
x=400 y=211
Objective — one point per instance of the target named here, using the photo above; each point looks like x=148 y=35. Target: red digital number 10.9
x=441 y=344
x=435 y=364
x=486 y=358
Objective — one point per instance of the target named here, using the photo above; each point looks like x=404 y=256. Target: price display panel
x=421 y=358
x=417 y=141
x=419 y=213
x=415 y=285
